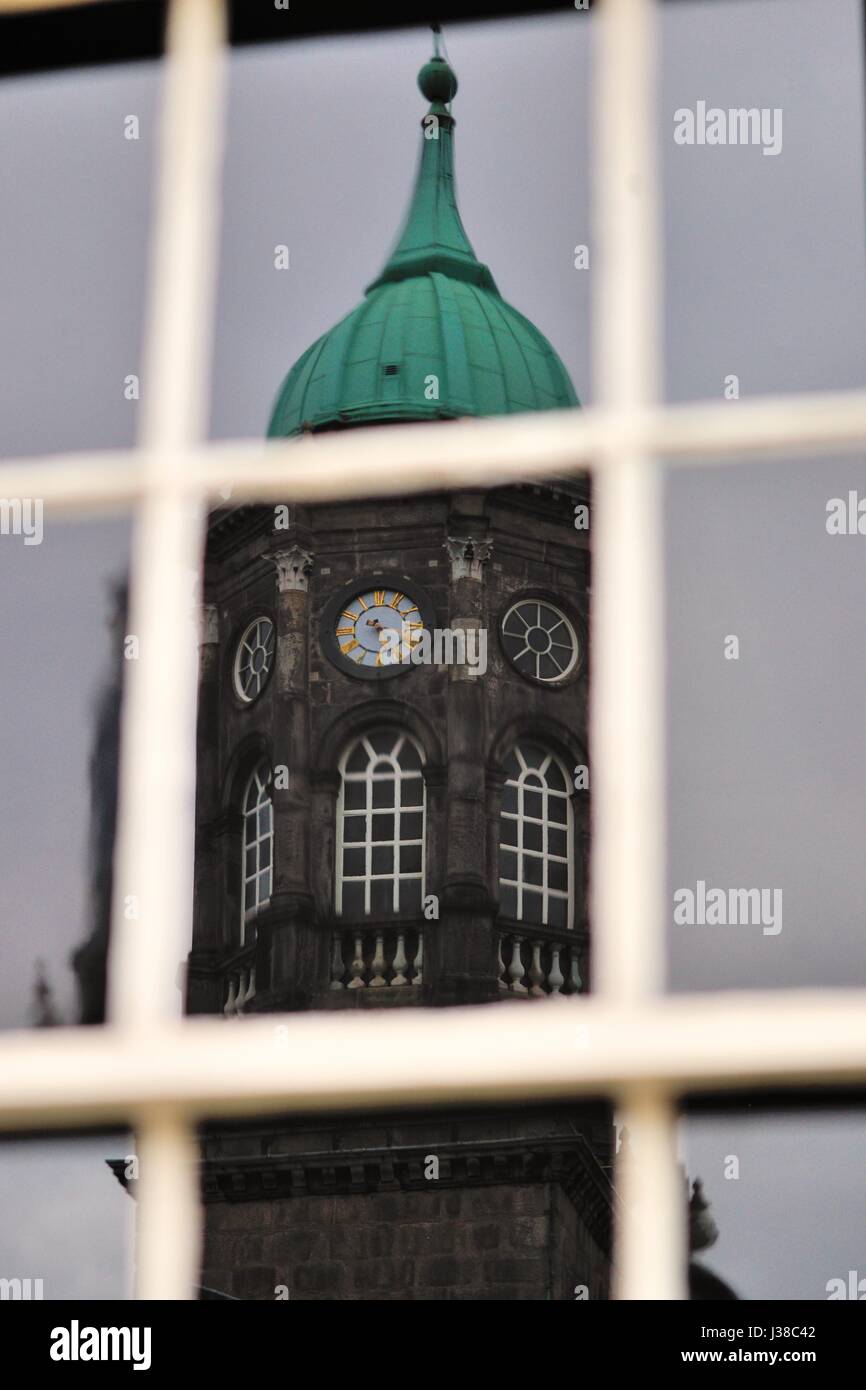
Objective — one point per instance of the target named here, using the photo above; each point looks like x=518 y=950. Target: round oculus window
x=254 y=659
x=539 y=640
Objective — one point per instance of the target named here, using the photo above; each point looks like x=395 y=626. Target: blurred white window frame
x=165 y=1074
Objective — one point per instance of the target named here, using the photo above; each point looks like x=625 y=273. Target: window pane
x=354 y=828
x=532 y=833
x=354 y=861
x=507 y=901
x=533 y=755
x=383 y=793
x=410 y=859
x=68 y=1225
x=557 y=842
x=63 y=671
x=557 y=912
x=381 y=897
x=557 y=809
x=795 y=1172
x=409 y=757
x=532 y=907
x=557 y=875
x=383 y=859
x=555 y=778
x=533 y=869
x=358 y=760
x=410 y=896
x=411 y=791
x=383 y=742
x=353 y=899
x=383 y=827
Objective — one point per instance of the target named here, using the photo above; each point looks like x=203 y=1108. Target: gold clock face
x=378 y=627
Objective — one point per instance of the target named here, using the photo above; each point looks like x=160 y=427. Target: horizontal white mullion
x=526 y=1050
x=400 y=459
x=19 y=6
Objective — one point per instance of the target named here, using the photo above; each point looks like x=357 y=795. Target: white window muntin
x=258 y=844
x=382 y=769
x=528 y=766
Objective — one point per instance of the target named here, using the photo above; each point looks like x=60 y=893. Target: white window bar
x=627 y=709
x=153 y=861
x=642 y=1049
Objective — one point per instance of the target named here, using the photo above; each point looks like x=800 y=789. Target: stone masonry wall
x=475 y=1243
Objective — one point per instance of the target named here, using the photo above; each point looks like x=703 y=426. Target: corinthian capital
x=468 y=554
x=293 y=566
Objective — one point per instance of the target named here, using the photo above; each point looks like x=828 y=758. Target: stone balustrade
x=240 y=990
x=382 y=958
x=532 y=964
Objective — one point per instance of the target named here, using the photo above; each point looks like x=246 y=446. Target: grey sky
x=765 y=275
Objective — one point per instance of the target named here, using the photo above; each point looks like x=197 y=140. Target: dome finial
x=437 y=79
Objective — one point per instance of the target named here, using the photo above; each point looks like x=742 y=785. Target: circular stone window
x=254 y=659
x=539 y=640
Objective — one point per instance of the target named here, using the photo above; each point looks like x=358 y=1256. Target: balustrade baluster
x=378 y=966
x=231 y=1001
x=338 y=968
x=576 y=982
x=419 y=959
x=515 y=970
x=400 y=963
x=555 y=978
x=536 y=974
x=357 y=967
x=503 y=983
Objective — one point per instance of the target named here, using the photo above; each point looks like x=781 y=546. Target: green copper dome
x=433 y=338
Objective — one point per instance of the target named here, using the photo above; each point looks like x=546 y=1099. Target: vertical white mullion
x=168 y=1209
x=651 y=1245
x=152 y=891
x=153 y=864
x=627 y=720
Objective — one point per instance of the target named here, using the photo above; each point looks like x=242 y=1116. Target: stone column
x=467 y=971
x=210 y=924
x=288 y=945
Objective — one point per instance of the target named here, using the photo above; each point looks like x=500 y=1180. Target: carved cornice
x=567 y=1161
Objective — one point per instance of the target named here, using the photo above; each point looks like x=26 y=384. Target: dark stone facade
x=516 y=1206
x=309 y=710
x=342 y=1208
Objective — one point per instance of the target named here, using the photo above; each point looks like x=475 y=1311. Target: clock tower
x=392 y=810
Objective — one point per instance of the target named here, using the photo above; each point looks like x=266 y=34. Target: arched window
x=258 y=850
x=536 y=857
x=380 y=826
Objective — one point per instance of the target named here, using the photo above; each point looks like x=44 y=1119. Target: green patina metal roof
x=433 y=338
